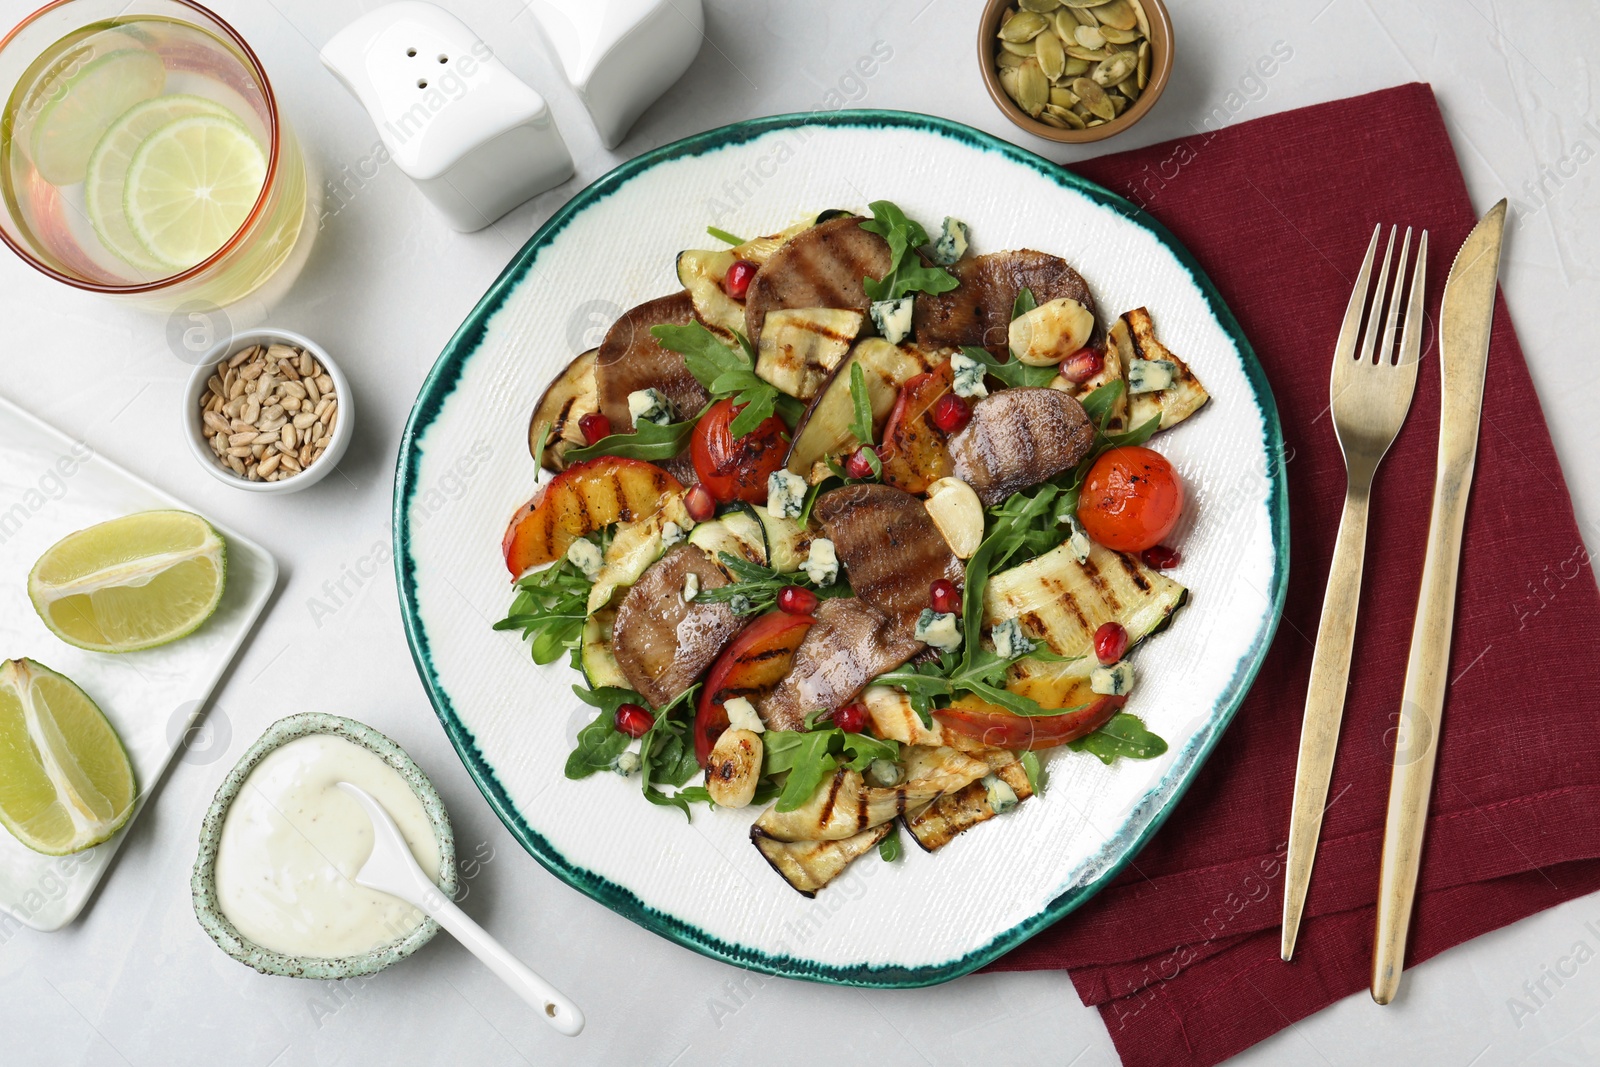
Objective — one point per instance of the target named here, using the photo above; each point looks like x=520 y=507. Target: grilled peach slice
x=580 y=500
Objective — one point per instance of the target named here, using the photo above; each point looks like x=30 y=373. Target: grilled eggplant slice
x=1134 y=337
x=661 y=643
x=821 y=267
x=810 y=865
x=824 y=430
x=1061 y=602
x=630 y=359
x=1018 y=438
x=844 y=804
x=567 y=400
x=851 y=644
x=890 y=548
x=978 y=311
x=937 y=824
x=800 y=347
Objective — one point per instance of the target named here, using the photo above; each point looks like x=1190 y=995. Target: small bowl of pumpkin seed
x=1075 y=71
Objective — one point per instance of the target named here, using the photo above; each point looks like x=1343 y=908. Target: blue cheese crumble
x=1078 y=540
x=786 y=494
x=586 y=556
x=822 y=563
x=1113 y=681
x=626 y=763
x=742 y=716
x=649 y=405
x=671 y=534
x=1150 y=375
x=893 y=318
x=1002 y=798
x=942 y=630
x=1009 y=640
x=968 y=377
x=952 y=242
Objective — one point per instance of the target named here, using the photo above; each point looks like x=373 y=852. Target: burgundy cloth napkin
x=1180 y=953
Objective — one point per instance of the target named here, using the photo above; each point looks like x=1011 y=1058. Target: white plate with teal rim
x=464 y=468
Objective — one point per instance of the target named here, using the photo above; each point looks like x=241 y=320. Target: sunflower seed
x=214 y=421
x=274 y=412
x=289 y=435
x=241 y=356
x=237 y=464
x=304 y=420
x=1050 y=53
x=251 y=412
x=269 y=464
x=251 y=371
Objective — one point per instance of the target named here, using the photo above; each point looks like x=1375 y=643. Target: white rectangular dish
x=50 y=486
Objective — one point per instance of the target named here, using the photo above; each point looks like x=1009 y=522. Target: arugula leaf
x=1124 y=735
x=861 y=401
x=600 y=742
x=1013 y=372
x=648 y=441
x=1025 y=303
x=541 y=433
x=1030 y=766
x=757 y=587
x=815 y=491
x=550 y=608
x=808 y=757
x=977 y=670
x=889 y=847
x=724 y=235
x=908 y=273
x=726 y=372
x=666 y=754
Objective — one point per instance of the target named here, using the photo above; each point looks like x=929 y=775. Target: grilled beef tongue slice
x=817 y=268
x=1018 y=438
x=662 y=644
x=630 y=359
x=850 y=645
x=978 y=311
x=889 y=546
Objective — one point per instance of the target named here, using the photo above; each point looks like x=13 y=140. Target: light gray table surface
x=136 y=981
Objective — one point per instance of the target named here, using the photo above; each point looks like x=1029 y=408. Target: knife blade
x=1465 y=319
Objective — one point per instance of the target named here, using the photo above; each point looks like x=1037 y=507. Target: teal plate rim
x=1140 y=825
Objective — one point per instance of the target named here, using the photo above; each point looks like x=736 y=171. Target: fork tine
x=1346 y=346
x=1391 y=326
x=1411 y=336
x=1369 y=336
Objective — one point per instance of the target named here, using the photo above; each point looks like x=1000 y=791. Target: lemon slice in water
x=76 y=112
x=65 y=782
x=106 y=181
x=190 y=187
x=131 y=583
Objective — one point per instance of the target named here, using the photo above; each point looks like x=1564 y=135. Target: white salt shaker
x=475 y=138
x=620 y=55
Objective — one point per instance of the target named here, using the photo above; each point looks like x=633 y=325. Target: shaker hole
x=412 y=52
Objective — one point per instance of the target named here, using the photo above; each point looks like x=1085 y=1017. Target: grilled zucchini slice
x=595 y=656
x=1134 y=337
x=738 y=532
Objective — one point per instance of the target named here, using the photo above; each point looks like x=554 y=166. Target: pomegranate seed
x=634 y=720
x=1110 y=642
x=1160 y=557
x=737 y=281
x=700 y=504
x=951 y=413
x=595 y=426
x=858 y=466
x=852 y=718
x=1082 y=365
x=792 y=600
x=943 y=596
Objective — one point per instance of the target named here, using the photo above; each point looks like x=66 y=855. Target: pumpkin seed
x=1052 y=56
x=1114 y=69
x=1084 y=18
x=1075 y=67
x=1005 y=59
x=1096 y=122
x=1023 y=26
x=1053 y=120
x=1119 y=103
x=1094 y=98
x=1116 y=13
x=1090 y=37
x=1043 y=7
x=1011 y=80
x=1018 y=48
x=1116 y=36
x=1144 y=64
x=1129 y=87
x=1093 y=55
x=1071 y=118
x=1033 y=88
x=1062 y=98
x=1081 y=3
x=1140 y=19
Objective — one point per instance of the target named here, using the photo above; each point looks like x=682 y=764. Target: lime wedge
x=107 y=176
x=81 y=107
x=190 y=187
x=131 y=583
x=65 y=782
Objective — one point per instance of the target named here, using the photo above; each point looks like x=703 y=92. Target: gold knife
x=1464 y=323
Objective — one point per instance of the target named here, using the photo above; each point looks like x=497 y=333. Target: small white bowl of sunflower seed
x=268 y=412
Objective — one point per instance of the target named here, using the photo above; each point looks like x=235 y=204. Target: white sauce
x=292 y=842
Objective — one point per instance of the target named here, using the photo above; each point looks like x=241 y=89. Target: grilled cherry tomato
x=1003 y=729
x=737 y=468
x=1131 y=499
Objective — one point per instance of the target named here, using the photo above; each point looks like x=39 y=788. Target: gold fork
x=1370 y=393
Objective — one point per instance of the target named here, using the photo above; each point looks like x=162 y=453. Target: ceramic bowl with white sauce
x=250 y=839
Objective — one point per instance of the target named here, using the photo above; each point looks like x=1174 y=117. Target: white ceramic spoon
x=392 y=869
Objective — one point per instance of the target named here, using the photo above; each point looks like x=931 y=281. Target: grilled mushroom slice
x=1017 y=438
x=851 y=644
x=889 y=546
x=630 y=359
x=810 y=865
x=663 y=644
x=978 y=311
x=817 y=268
